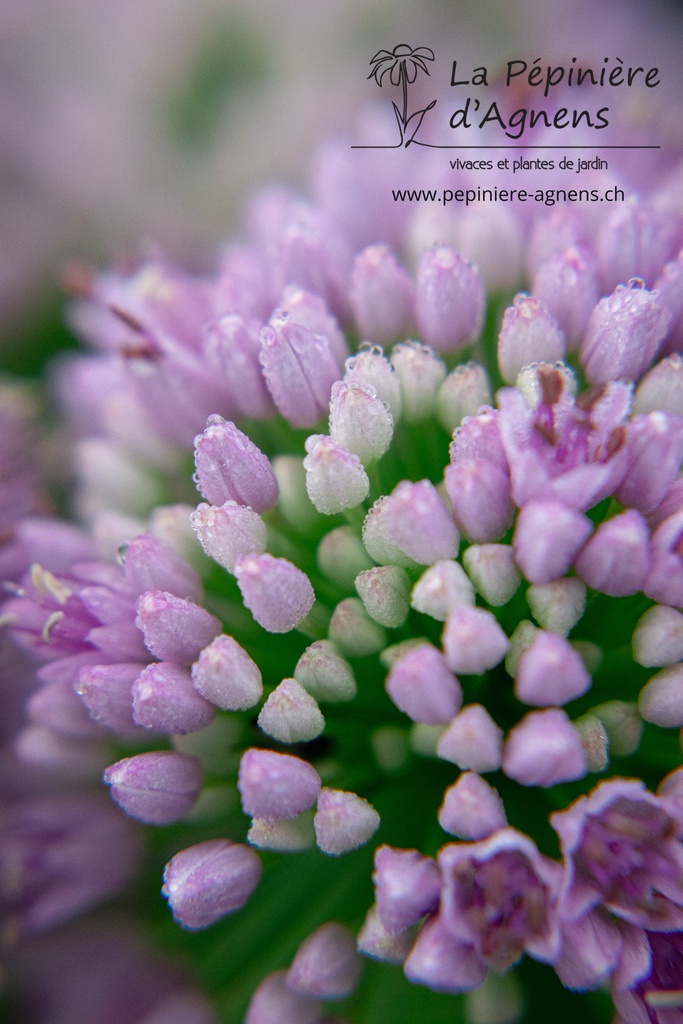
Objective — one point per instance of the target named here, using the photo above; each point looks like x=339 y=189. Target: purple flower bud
x=158 y=788
x=471 y=808
x=311 y=311
x=442 y=962
x=326 y=965
x=335 y=478
x=57 y=706
x=342 y=555
x=421 y=685
x=150 y=564
x=232 y=347
x=528 y=335
x=547 y=538
x=165 y=699
x=557 y=606
x=661 y=699
x=369 y=366
x=382 y=295
x=661 y=389
x=624 y=334
x=276 y=786
x=443 y=586
x=658 y=637
x=106 y=691
x=655 y=453
x=325 y=674
x=480 y=497
x=378 y=541
x=420 y=374
x=225 y=675
x=378 y=942
x=385 y=593
x=231 y=468
x=449 y=299
x=210 y=880
x=472 y=741
x=299 y=368
x=544 y=749
x=462 y=394
x=343 y=821
x=492 y=569
x=417 y=522
x=290 y=714
x=174 y=629
x=228 y=531
x=360 y=421
x=276 y=593
x=291 y=836
x=353 y=631
x=274 y=1002
x=634 y=239
x=473 y=641
x=665 y=582
x=668 y=284
x=567 y=284
x=550 y=671
x=407 y=887
x=616 y=559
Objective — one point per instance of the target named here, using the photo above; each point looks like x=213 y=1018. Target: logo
x=402 y=65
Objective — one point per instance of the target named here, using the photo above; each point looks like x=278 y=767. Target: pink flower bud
x=299 y=368
x=291 y=836
x=290 y=714
x=529 y=335
x=492 y=569
x=382 y=295
x=325 y=674
x=106 y=692
x=421 y=685
x=274 y=1002
x=567 y=285
x=343 y=821
x=471 y=808
x=294 y=503
x=276 y=786
x=661 y=389
x=472 y=740
x=158 y=788
x=407 y=886
x=385 y=592
x=443 y=586
x=311 y=311
x=58 y=707
x=449 y=300
x=655 y=453
x=480 y=498
x=335 y=478
x=442 y=962
x=417 y=522
x=353 y=631
x=150 y=564
x=550 y=671
x=462 y=394
x=559 y=605
x=165 y=699
x=544 y=749
x=326 y=964
x=231 y=468
x=624 y=334
x=174 y=629
x=360 y=421
x=381 y=944
x=473 y=641
x=661 y=699
x=616 y=558
x=665 y=580
x=377 y=539
x=634 y=238
x=210 y=880
x=658 y=637
x=228 y=531
x=232 y=348
x=369 y=366
x=276 y=593
x=225 y=675
x=547 y=538
x=420 y=375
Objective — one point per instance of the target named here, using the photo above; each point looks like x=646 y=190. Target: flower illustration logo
x=402 y=65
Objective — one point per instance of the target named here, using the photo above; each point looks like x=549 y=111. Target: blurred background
x=126 y=124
